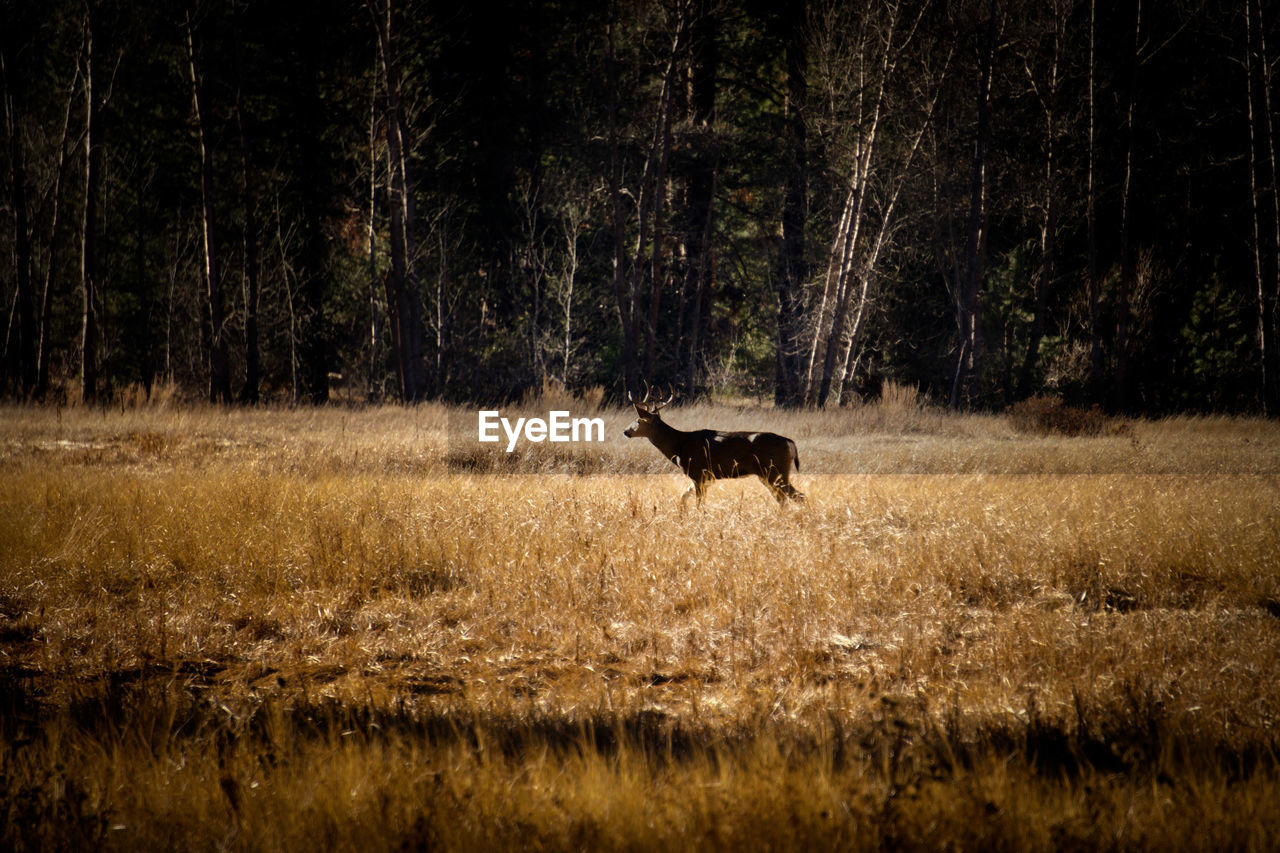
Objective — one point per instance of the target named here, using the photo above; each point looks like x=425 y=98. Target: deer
x=708 y=454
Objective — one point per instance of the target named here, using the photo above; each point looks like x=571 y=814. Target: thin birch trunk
x=51 y=266
x=969 y=361
x=89 y=222
x=219 y=362
x=1272 y=299
x=1091 y=232
x=1128 y=267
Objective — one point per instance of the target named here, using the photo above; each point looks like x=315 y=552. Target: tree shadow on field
x=1130 y=732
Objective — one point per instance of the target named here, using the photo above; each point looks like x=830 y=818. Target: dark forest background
x=466 y=199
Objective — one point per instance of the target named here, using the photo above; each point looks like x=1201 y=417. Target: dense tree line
x=463 y=200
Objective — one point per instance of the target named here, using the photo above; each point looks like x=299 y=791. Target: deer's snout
x=630 y=432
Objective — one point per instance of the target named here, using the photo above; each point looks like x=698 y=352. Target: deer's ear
x=639 y=411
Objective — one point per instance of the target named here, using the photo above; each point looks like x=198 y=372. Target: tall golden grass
x=352 y=629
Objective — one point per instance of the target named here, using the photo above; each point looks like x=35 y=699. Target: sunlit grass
x=281 y=628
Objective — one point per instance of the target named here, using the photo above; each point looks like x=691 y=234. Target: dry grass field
x=353 y=629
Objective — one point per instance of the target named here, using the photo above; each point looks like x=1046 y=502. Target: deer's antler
x=649 y=404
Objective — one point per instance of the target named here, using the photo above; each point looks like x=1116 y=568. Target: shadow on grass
x=1130 y=733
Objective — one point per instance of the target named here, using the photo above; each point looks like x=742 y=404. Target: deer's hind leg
x=775 y=487
x=781 y=487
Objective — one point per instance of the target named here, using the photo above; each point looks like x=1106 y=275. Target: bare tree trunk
x=657 y=274
x=174 y=259
x=568 y=334
x=1271 y=301
x=969 y=362
x=289 y=278
x=373 y=383
x=24 y=356
x=853 y=344
x=51 y=265
x=866 y=287
x=93 y=153
x=836 y=261
x=1091 y=231
x=51 y=261
x=530 y=259
x=793 y=265
x=538 y=280
x=447 y=244
x=836 y=337
x=856 y=207
x=873 y=190
x=852 y=358
x=402 y=287
x=624 y=293
x=1262 y=336
x=215 y=315
x=1128 y=269
x=1049 y=222
x=647 y=260
x=251 y=392
x=841 y=346
x=850 y=267
x=295 y=390
x=700 y=188
x=572 y=226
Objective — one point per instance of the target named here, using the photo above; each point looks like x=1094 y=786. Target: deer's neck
x=667 y=439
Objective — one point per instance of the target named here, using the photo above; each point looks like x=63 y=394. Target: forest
x=797 y=202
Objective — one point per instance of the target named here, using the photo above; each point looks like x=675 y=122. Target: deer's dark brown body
x=708 y=454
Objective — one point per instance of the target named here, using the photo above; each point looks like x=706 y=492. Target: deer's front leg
x=699 y=484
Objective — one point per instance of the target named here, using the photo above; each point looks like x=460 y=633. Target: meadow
x=351 y=628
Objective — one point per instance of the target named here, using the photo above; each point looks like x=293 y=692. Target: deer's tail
x=795 y=453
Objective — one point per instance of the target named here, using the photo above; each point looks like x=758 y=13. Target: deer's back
x=737 y=454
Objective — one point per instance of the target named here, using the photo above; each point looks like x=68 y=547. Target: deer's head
x=647 y=417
